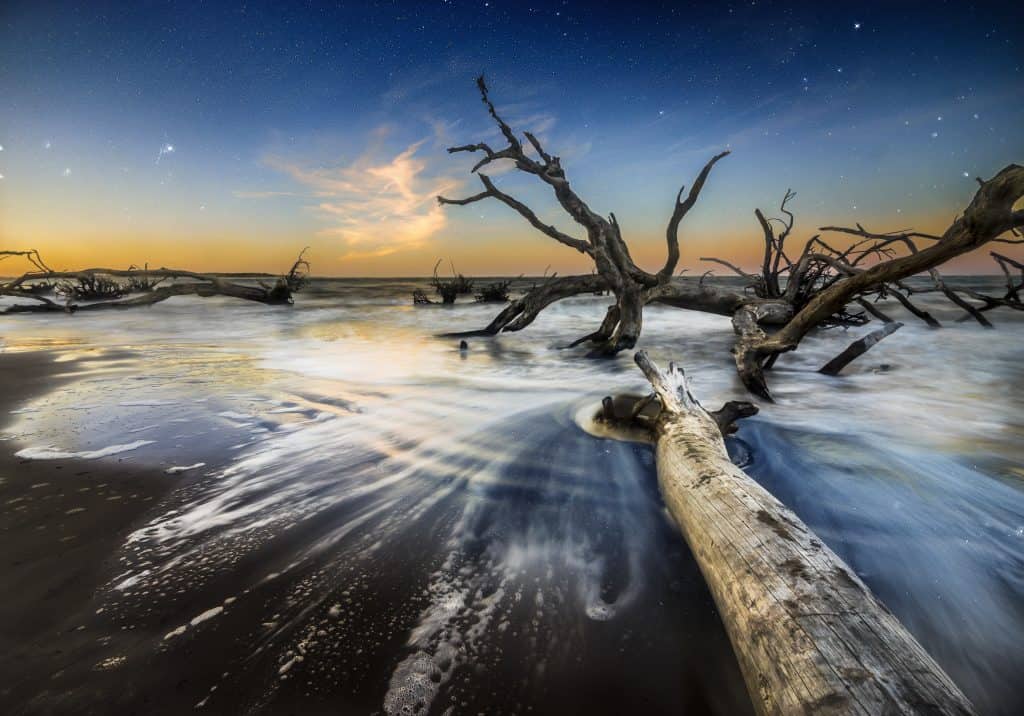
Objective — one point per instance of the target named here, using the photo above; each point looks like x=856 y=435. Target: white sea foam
x=52 y=453
x=567 y=524
x=177 y=469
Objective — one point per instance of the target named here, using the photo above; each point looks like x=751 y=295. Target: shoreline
x=62 y=523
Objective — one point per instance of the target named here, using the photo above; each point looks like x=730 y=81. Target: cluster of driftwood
x=104 y=288
x=450 y=289
x=821 y=284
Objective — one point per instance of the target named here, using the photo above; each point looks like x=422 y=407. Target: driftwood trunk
x=808 y=634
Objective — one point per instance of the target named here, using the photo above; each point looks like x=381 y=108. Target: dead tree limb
x=858 y=348
x=874 y=310
x=922 y=314
x=809 y=636
x=186 y=283
x=989 y=215
x=616 y=270
x=792 y=294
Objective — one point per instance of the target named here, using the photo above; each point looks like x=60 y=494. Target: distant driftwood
x=105 y=288
x=808 y=634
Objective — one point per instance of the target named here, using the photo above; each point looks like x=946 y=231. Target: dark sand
x=62 y=523
x=62 y=526
x=64 y=649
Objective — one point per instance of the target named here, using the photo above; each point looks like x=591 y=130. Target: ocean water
x=366 y=519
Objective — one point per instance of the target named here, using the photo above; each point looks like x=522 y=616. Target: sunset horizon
x=547 y=357
x=196 y=154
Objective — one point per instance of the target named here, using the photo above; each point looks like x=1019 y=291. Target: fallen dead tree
x=495 y=292
x=792 y=294
x=97 y=289
x=809 y=636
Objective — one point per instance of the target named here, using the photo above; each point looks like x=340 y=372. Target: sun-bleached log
x=809 y=636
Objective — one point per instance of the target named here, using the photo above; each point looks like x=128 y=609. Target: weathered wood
x=808 y=634
x=858 y=348
x=190 y=284
x=616 y=271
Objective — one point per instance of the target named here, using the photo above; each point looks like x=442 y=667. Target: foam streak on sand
x=52 y=453
x=177 y=469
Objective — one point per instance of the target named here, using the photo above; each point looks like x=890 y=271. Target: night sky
x=228 y=137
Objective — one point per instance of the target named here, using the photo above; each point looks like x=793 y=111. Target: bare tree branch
x=858 y=348
x=491 y=191
x=989 y=215
x=681 y=208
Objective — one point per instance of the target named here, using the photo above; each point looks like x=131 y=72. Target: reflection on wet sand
x=361 y=517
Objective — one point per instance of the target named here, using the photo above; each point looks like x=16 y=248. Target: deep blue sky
x=325 y=124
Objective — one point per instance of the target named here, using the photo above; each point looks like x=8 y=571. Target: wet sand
x=386 y=524
x=73 y=644
x=60 y=523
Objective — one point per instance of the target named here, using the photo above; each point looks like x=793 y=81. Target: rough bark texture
x=808 y=634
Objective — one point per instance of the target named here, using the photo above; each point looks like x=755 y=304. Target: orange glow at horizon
x=487 y=252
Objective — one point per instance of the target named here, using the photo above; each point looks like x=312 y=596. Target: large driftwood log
x=808 y=634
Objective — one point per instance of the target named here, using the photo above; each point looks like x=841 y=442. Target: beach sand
x=69 y=647
x=377 y=503
x=62 y=524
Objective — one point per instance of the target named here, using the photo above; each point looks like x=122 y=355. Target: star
x=165 y=149
x=966 y=174
x=934 y=135
x=47 y=144
x=856 y=26
x=66 y=172
x=1 y=147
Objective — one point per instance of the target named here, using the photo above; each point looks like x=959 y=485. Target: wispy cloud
x=378 y=204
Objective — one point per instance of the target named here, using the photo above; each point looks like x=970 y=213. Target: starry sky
x=221 y=136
